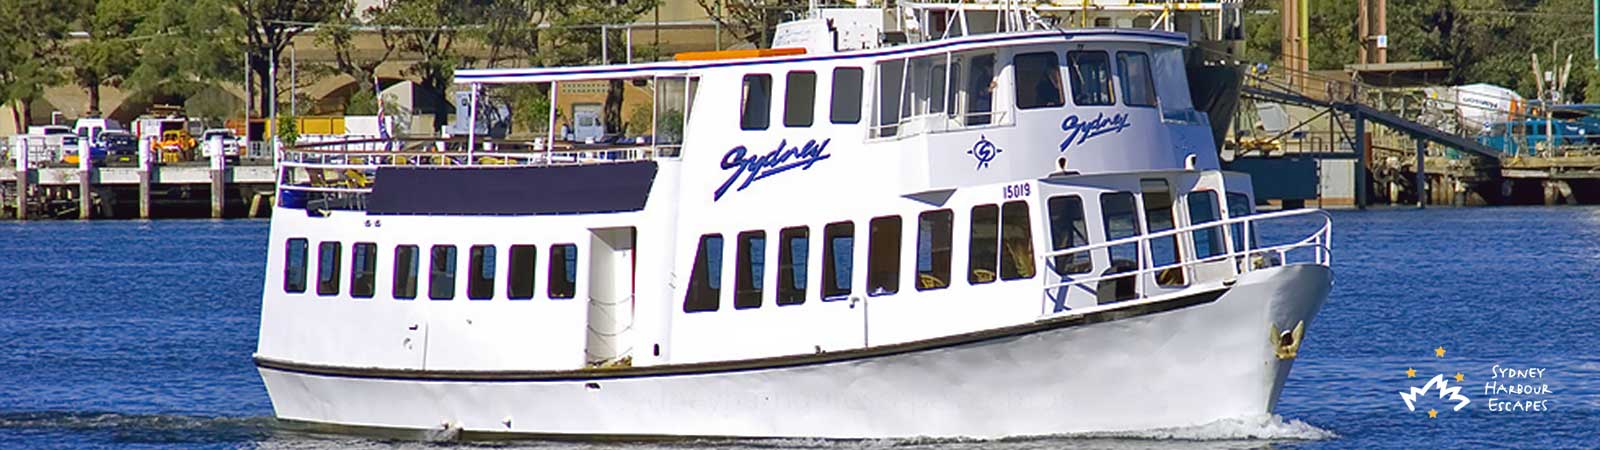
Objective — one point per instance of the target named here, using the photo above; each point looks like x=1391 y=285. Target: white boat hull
x=1192 y=365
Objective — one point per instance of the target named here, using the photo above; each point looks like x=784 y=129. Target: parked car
x=119 y=146
x=230 y=144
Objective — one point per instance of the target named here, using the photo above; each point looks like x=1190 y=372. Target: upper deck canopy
x=681 y=68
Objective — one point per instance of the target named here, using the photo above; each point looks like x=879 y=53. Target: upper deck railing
x=1241 y=255
x=339 y=174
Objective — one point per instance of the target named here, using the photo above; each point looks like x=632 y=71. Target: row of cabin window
x=1038 y=85
x=1068 y=228
x=1038 y=77
x=1000 y=247
x=442 y=261
x=799 y=99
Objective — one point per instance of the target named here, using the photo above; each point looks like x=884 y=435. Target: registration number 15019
x=1018 y=191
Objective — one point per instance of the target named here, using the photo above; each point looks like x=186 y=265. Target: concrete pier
x=150 y=190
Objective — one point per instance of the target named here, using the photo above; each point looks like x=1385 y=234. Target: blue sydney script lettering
x=1080 y=131
x=754 y=167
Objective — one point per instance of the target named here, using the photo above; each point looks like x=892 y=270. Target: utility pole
x=1372 y=26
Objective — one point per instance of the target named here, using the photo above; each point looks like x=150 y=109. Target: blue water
x=138 y=334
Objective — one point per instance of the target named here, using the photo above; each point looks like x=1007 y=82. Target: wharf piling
x=85 y=194
x=144 y=178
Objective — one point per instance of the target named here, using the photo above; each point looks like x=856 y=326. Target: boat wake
x=1227 y=434
x=1271 y=428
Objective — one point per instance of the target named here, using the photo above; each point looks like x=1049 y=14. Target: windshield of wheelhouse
x=1172 y=86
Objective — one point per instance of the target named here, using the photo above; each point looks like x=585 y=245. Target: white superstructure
x=992 y=235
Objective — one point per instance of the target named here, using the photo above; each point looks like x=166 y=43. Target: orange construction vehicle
x=175 y=146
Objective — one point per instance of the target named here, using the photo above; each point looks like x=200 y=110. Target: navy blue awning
x=594 y=188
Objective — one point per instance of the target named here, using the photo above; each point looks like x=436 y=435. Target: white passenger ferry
x=984 y=235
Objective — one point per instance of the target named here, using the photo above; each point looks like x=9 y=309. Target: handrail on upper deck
x=1320 y=242
x=353 y=163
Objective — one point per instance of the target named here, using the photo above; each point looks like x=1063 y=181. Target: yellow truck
x=175 y=146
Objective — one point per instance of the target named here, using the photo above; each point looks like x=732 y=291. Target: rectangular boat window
x=751 y=263
x=705 y=278
x=563 y=281
x=1172 y=86
x=924 y=87
x=845 y=106
x=794 y=247
x=1016 y=241
x=982 y=244
x=405 y=272
x=1121 y=218
x=671 y=100
x=891 y=78
x=1137 y=87
x=1158 y=216
x=1091 y=78
x=1203 y=209
x=952 y=76
x=1038 y=78
x=519 y=278
x=1239 y=206
x=980 y=85
x=799 y=99
x=755 y=110
x=838 y=253
x=480 y=272
x=294 y=265
x=328 y=268
x=442 y=273
x=1069 y=229
x=363 y=269
x=933 y=249
x=883 y=256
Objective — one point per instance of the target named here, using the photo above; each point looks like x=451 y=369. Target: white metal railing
x=1243 y=260
x=350 y=166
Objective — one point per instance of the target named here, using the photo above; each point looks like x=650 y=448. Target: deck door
x=611 y=294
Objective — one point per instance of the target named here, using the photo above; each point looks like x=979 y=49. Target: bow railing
x=1240 y=253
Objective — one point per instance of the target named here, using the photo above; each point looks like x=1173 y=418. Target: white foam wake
x=1272 y=427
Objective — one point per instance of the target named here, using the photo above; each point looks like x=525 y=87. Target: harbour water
x=138 y=334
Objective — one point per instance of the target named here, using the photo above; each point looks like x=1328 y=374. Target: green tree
x=340 y=36
x=110 y=54
x=752 y=21
x=32 y=33
x=511 y=29
x=187 y=46
x=269 y=26
x=430 y=31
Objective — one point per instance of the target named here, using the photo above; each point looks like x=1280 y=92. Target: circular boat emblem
x=984 y=151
